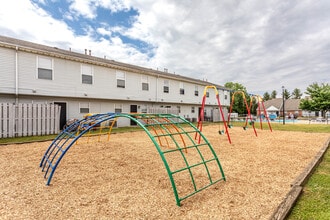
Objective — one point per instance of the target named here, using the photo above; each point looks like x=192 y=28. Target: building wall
x=7 y=70
x=103 y=95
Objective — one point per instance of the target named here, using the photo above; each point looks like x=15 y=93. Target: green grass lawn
x=52 y=137
x=311 y=128
x=314 y=202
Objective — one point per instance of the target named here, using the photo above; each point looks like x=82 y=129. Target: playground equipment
x=201 y=114
x=259 y=100
x=248 y=117
x=172 y=136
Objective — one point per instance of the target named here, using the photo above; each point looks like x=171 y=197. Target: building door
x=62 y=114
x=133 y=110
x=199 y=113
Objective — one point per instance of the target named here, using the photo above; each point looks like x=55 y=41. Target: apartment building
x=81 y=83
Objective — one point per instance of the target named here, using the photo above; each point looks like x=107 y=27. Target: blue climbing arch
x=191 y=166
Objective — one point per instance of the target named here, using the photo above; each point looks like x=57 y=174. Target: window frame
x=87 y=73
x=166 y=86
x=196 y=91
x=83 y=106
x=181 y=88
x=121 y=78
x=145 y=83
x=45 y=67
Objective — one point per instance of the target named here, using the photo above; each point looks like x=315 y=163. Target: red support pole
x=249 y=114
x=265 y=112
x=201 y=114
x=200 y=119
x=223 y=118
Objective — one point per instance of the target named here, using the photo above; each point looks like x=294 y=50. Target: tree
x=319 y=98
x=296 y=94
x=273 y=95
x=266 y=96
x=286 y=94
x=239 y=105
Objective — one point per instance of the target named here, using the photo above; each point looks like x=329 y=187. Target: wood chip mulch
x=125 y=178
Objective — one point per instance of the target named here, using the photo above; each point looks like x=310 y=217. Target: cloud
x=260 y=44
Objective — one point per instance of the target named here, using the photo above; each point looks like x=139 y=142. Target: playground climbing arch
x=196 y=166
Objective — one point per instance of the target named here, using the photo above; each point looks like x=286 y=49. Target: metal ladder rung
x=194 y=165
x=71 y=135
x=183 y=148
x=170 y=134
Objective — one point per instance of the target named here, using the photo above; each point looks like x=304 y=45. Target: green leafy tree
x=273 y=94
x=319 y=98
x=296 y=94
x=266 y=96
x=287 y=94
x=238 y=105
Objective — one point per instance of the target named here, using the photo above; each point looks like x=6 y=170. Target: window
x=226 y=97
x=166 y=86
x=207 y=94
x=145 y=83
x=118 y=108
x=179 y=109
x=120 y=76
x=193 y=109
x=196 y=90
x=144 y=108
x=45 y=68
x=84 y=108
x=86 y=74
x=181 y=88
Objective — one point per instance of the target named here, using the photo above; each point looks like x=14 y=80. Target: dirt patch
x=125 y=178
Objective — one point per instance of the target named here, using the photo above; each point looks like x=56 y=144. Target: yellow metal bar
x=110 y=129
x=211 y=87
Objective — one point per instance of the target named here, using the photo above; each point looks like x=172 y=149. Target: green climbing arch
x=191 y=166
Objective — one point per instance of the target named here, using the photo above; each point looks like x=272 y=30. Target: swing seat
x=244 y=127
x=251 y=122
x=221 y=132
x=230 y=126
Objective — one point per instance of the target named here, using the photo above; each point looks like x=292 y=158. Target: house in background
x=291 y=107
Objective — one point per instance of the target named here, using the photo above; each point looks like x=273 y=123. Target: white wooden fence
x=163 y=111
x=29 y=119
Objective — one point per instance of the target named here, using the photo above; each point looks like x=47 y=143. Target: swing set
x=201 y=114
x=260 y=102
x=248 y=117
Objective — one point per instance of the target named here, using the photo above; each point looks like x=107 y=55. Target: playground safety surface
x=125 y=178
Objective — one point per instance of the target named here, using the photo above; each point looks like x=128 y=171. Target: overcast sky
x=262 y=44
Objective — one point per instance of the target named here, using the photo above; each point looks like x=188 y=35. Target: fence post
x=1 y=120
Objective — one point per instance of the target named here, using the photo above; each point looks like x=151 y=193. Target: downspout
x=157 y=88
x=16 y=76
